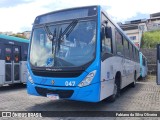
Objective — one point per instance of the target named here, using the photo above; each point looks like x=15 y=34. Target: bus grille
x=61 y=93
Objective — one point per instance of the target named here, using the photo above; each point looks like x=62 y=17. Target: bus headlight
x=88 y=79
x=29 y=77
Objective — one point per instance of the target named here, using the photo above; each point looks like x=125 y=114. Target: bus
x=13 y=59
x=143 y=66
x=158 y=65
x=80 y=54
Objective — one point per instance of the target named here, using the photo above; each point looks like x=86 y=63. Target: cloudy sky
x=18 y=15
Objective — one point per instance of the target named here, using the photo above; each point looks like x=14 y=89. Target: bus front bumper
x=89 y=93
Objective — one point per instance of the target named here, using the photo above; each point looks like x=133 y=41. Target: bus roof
x=68 y=13
x=6 y=37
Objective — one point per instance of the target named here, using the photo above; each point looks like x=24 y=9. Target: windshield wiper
x=50 y=35
x=67 y=31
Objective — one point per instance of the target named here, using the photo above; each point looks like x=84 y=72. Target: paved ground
x=144 y=97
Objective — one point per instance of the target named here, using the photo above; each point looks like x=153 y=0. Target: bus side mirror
x=103 y=33
x=102 y=36
x=108 y=32
x=158 y=64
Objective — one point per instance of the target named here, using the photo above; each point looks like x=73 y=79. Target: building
x=6 y=33
x=134 y=29
x=27 y=34
x=154 y=22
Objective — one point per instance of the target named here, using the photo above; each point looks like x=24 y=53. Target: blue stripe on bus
x=98 y=47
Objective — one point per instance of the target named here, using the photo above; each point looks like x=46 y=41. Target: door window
x=8 y=54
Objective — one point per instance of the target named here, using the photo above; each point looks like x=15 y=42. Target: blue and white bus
x=13 y=59
x=143 y=65
x=80 y=54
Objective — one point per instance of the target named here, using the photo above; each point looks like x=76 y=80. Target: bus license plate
x=53 y=96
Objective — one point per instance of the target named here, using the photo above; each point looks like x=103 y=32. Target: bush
x=150 y=39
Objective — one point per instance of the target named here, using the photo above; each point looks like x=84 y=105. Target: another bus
x=143 y=66
x=13 y=58
x=158 y=64
x=80 y=54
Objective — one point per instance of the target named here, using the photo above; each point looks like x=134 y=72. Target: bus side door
x=12 y=63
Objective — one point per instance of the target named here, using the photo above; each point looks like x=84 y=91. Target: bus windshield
x=63 y=45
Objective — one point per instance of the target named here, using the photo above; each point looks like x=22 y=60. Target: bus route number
x=70 y=83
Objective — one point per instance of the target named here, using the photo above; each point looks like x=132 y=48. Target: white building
x=134 y=29
x=27 y=34
x=154 y=22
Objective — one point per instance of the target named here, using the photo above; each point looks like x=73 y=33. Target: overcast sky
x=18 y=15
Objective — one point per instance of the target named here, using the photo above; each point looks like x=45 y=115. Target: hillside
x=150 y=39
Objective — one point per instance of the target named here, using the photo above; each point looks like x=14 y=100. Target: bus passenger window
x=25 y=55
x=0 y=52
x=135 y=56
x=144 y=61
x=126 y=48
x=106 y=42
x=119 y=43
x=130 y=50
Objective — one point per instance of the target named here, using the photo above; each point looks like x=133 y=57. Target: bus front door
x=158 y=64
x=12 y=64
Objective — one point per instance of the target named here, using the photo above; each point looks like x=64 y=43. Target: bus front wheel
x=116 y=91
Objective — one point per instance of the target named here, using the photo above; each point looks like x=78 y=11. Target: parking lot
x=144 y=97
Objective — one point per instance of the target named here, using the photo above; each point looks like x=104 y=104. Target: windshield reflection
x=74 y=48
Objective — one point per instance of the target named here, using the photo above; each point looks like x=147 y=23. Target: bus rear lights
x=88 y=79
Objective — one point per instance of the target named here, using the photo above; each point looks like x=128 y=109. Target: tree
x=19 y=35
x=150 y=39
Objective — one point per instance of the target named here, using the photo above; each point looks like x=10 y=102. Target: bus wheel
x=133 y=84
x=116 y=91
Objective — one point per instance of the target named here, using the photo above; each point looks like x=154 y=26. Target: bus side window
x=24 y=52
x=137 y=55
x=106 y=40
x=135 y=58
x=119 y=43
x=0 y=51
x=130 y=50
x=144 y=61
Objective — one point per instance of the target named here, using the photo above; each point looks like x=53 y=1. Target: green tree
x=150 y=39
x=19 y=35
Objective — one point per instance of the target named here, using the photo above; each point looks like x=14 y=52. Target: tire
x=116 y=91
x=133 y=84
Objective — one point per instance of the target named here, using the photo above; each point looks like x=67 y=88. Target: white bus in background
x=13 y=57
